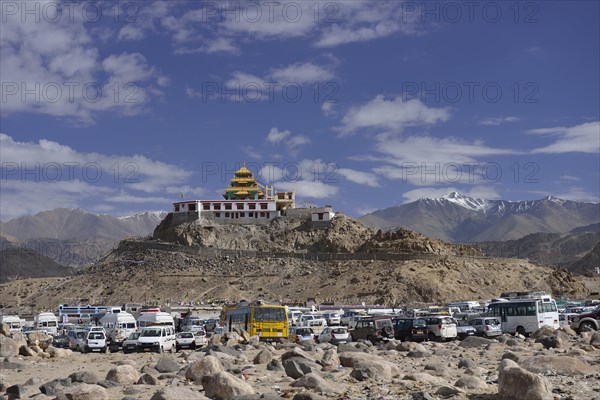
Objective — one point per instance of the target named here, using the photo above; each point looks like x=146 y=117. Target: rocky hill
x=587 y=264
x=288 y=261
x=18 y=262
x=550 y=249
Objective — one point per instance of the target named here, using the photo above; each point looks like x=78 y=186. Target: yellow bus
x=269 y=322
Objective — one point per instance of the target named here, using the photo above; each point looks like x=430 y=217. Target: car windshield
x=96 y=335
x=134 y=336
x=304 y=331
x=150 y=333
x=339 y=331
x=384 y=322
x=187 y=335
x=492 y=322
x=200 y=333
x=419 y=322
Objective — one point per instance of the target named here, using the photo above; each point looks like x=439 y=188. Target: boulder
x=275 y=365
x=40 y=339
x=177 y=393
x=472 y=342
x=353 y=359
x=88 y=377
x=545 y=330
x=551 y=341
x=263 y=357
x=8 y=347
x=448 y=391
x=26 y=351
x=379 y=371
x=84 y=391
x=511 y=356
x=4 y=329
x=16 y=392
x=515 y=383
x=123 y=374
x=208 y=365
x=296 y=352
x=308 y=396
x=471 y=382
x=296 y=367
x=224 y=386
x=467 y=363
x=330 y=358
x=58 y=353
x=147 y=379
x=424 y=378
x=595 y=340
x=410 y=346
x=315 y=382
x=560 y=365
x=55 y=386
x=167 y=364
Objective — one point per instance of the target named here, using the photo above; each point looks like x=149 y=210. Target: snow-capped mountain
x=460 y=218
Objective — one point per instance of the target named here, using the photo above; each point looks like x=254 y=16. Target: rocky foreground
x=548 y=365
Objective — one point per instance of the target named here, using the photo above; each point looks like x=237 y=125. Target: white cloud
x=54 y=68
x=495 y=121
x=291 y=142
x=427 y=149
x=362 y=21
x=482 y=192
x=391 y=114
x=301 y=73
x=276 y=136
x=583 y=138
x=328 y=108
x=569 y=178
x=47 y=174
x=360 y=177
x=310 y=189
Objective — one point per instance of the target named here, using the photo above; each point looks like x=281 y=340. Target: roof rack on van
x=523 y=295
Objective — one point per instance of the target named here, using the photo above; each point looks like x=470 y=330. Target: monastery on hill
x=246 y=201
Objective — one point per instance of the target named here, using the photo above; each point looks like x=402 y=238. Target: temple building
x=244 y=201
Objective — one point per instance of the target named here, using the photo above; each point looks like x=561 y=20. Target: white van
x=118 y=326
x=157 y=338
x=46 y=322
x=316 y=322
x=13 y=321
x=155 y=319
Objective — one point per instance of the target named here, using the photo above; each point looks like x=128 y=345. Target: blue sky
x=121 y=107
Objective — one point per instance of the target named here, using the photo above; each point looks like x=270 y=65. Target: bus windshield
x=269 y=314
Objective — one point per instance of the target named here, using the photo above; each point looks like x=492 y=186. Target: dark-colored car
x=130 y=344
x=61 y=341
x=373 y=329
x=413 y=329
x=587 y=322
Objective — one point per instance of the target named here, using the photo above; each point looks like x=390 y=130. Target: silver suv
x=487 y=326
x=441 y=327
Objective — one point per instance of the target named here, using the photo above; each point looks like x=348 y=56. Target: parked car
x=157 y=338
x=76 y=339
x=441 y=327
x=185 y=340
x=487 y=326
x=413 y=329
x=464 y=330
x=303 y=334
x=335 y=335
x=61 y=341
x=566 y=319
x=348 y=315
x=373 y=329
x=130 y=344
x=201 y=338
x=333 y=318
x=587 y=322
x=95 y=341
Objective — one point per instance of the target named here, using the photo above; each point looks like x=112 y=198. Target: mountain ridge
x=458 y=218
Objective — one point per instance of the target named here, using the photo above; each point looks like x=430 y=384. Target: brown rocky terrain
x=346 y=263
